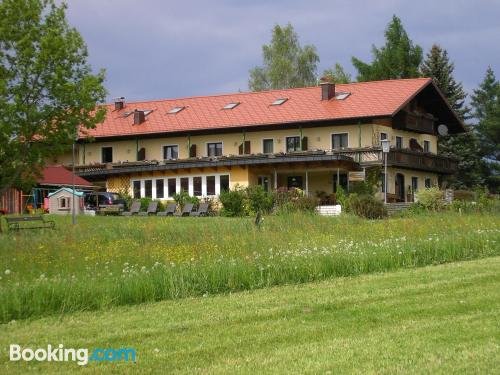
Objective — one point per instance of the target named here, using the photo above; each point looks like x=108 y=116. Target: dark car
x=94 y=201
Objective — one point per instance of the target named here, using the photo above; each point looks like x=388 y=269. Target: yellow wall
x=364 y=135
x=408 y=174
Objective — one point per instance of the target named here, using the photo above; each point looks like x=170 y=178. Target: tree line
x=287 y=64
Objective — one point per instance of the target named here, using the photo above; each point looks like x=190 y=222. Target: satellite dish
x=442 y=129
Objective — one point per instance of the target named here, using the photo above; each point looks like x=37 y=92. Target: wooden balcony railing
x=417 y=122
x=369 y=156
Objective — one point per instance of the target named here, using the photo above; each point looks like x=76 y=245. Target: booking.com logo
x=62 y=354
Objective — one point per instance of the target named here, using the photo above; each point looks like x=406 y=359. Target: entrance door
x=400 y=186
x=343 y=181
x=294 y=182
x=264 y=182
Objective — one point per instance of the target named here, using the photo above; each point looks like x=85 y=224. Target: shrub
x=341 y=197
x=145 y=203
x=183 y=197
x=430 y=198
x=367 y=206
x=259 y=199
x=233 y=202
x=291 y=200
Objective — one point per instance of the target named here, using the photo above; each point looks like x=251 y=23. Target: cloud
x=160 y=49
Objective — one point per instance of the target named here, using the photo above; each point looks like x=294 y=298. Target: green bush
x=183 y=197
x=292 y=200
x=430 y=198
x=259 y=199
x=233 y=202
x=367 y=206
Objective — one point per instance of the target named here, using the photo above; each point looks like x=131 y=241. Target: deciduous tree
x=286 y=64
x=47 y=88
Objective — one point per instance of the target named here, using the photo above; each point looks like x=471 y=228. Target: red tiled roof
x=367 y=99
x=58 y=175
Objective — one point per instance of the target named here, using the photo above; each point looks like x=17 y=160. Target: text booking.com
x=61 y=354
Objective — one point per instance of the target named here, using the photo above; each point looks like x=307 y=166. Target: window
x=159 y=189
x=231 y=105
x=197 y=186
x=264 y=182
x=210 y=185
x=382 y=182
x=172 y=187
x=136 y=189
x=170 y=152
x=414 y=184
x=428 y=183
x=399 y=142
x=383 y=136
x=268 y=146
x=148 y=188
x=107 y=154
x=224 y=182
x=175 y=110
x=340 y=140
x=427 y=146
x=342 y=95
x=214 y=149
x=279 y=101
x=292 y=144
x=184 y=184
x=63 y=202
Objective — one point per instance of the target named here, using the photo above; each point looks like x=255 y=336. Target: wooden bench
x=29 y=222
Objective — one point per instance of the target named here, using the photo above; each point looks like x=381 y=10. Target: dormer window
x=175 y=110
x=279 y=101
x=342 y=95
x=231 y=105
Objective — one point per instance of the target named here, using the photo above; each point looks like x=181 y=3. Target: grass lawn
x=433 y=320
x=111 y=261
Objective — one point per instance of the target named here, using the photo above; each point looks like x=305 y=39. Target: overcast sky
x=154 y=49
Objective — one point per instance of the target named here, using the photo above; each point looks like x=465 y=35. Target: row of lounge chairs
x=170 y=210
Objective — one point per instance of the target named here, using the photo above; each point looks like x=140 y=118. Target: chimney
x=139 y=117
x=327 y=90
x=119 y=103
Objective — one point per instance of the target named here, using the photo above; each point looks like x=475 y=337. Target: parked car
x=99 y=200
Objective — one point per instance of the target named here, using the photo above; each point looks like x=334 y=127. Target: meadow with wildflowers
x=110 y=261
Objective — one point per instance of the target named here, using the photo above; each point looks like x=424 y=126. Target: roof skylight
x=175 y=110
x=279 y=101
x=231 y=105
x=342 y=95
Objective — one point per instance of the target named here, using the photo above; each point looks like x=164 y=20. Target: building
x=313 y=138
x=61 y=201
x=52 y=178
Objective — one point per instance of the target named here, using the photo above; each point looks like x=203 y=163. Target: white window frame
x=339 y=133
x=206 y=148
x=269 y=139
x=170 y=145
x=166 y=192
x=402 y=140
x=426 y=141
x=291 y=136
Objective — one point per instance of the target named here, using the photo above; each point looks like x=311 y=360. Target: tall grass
x=109 y=261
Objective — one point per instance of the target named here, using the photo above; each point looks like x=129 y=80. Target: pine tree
x=398 y=58
x=437 y=65
x=486 y=104
x=286 y=63
x=464 y=146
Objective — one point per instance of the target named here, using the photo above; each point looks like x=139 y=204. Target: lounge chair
x=188 y=207
x=152 y=208
x=169 y=211
x=134 y=209
x=202 y=210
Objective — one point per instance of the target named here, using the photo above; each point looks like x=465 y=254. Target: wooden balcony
x=402 y=158
x=415 y=122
